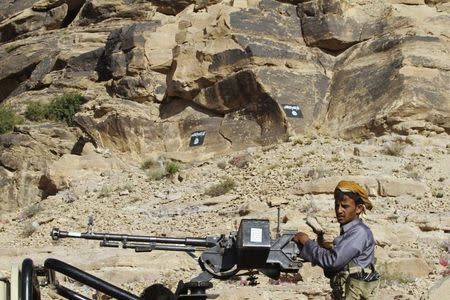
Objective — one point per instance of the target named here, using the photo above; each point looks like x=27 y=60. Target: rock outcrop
x=239 y=73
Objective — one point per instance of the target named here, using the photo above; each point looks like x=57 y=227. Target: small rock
x=174 y=196
x=70 y=196
x=277 y=201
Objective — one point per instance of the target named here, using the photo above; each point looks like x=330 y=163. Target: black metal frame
x=29 y=284
x=30 y=290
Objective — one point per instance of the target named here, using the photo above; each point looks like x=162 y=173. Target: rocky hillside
x=153 y=73
x=132 y=110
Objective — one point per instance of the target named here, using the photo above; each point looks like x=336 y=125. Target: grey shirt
x=356 y=243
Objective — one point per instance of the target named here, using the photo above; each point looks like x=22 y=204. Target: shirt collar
x=346 y=227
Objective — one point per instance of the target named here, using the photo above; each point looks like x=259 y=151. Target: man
x=350 y=263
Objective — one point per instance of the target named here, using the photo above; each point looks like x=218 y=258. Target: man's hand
x=300 y=238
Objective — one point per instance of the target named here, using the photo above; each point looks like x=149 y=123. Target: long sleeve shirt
x=356 y=243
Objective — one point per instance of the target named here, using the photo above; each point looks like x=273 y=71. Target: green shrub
x=37 y=111
x=223 y=187
x=8 y=119
x=172 y=167
x=64 y=107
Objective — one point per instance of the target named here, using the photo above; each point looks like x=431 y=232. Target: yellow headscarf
x=351 y=186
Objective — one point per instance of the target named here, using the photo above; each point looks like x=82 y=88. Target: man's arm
x=345 y=249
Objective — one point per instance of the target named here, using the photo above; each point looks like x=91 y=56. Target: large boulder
x=23 y=17
x=405 y=268
x=131 y=59
x=336 y=25
x=25 y=153
x=56 y=178
x=400 y=76
x=98 y=11
x=51 y=62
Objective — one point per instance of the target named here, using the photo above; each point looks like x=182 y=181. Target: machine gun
x=249 y=248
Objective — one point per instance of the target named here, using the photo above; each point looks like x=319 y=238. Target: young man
x=350 y=263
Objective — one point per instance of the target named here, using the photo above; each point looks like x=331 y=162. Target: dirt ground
x=412 y=227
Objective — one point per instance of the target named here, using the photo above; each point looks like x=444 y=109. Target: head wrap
x=353 y=187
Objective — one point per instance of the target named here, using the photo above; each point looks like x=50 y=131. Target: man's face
x=346 y=210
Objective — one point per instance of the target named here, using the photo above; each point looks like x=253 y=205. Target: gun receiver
x=251 y=247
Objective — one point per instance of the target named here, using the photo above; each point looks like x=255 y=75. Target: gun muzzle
x=57 y=234
x=54 y=233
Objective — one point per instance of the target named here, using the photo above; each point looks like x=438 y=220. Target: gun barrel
x=124 y=238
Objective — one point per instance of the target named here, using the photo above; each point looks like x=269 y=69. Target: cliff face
x=239 y=73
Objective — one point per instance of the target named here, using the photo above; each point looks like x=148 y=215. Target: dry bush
x=223 y=187
x=394 y=149
x=29 y=228
x=316 y=173
x=29 y=212
x=156 y=174
x=149 y=163
x=222 y=165
x=240 y=161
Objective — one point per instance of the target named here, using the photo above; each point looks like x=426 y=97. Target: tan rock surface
x=272 y=84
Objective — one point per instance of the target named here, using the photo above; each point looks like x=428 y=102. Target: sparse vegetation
x=438 y=194
x=335 y=158
x=8 y=119
x=394 y=149
x=37 y=111
x=64 y=107
x=240 y=161
x=156 y=174
x=297 y=163
x=28 y=229
x=223 y=187
x=172 y=167
x=288 y=173
x=29 y=212
x=222 y=165
x=316 y=173
x=61 y=108
x=273 y=166
x=105 y=191
x=409 y=167
x=414 y=175
x=149 y=163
